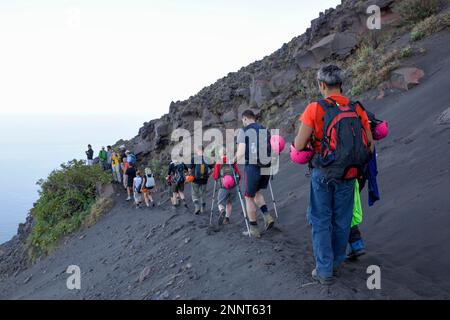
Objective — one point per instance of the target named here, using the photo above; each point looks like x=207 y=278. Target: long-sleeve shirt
x=218 y=167
x=90 y=154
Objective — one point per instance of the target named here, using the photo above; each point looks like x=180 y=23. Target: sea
x=31 y=146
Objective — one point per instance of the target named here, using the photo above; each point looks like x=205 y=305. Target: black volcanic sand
x=407 y=233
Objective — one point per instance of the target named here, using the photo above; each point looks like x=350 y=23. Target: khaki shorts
x=226 y=196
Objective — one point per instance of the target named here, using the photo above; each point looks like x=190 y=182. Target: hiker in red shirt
x=339 y=132
x=223 y=170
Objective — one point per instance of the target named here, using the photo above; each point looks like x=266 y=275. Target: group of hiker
x=122 y=164
x=227 y=177
x=336 y=141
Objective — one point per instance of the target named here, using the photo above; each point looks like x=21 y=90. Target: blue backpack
x=131 y=158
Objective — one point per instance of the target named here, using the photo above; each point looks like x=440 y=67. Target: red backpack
x=344 y=146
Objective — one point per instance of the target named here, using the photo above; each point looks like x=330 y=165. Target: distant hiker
x=115 y=166
x=126 y=165
x=131 y=158
x=122 y=155
x=130 y=175
x=103 y=157
x=176 y=179
x=90 y=156
x=200 y=170
x=137 y=187
x=148 y=186
x=342 y=142
x=223 y=170
x=251 y=146
x=109 y=152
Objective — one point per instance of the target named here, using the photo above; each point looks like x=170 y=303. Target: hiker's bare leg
x=251 y=208
x=259 y=199
x=229 y=208
x=146 y=195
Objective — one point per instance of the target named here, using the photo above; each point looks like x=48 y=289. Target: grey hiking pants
x=198 y=196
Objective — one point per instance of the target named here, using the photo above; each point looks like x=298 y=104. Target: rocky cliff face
x=283 y=81
x=13 y=254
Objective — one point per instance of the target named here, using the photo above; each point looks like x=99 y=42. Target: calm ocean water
x=32 y=146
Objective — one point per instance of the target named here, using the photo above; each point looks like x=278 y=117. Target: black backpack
x=253 y=151
x=344 y=146
x=179 y=177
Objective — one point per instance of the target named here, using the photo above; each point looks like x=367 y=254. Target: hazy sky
x=117 y=57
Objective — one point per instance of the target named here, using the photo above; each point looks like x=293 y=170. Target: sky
x=115 y=57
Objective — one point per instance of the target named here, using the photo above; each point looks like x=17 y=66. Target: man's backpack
x=344 y=146
x=150 y=181
x=138 y=185
x=257 y=144
x=226 y=170
x=201 y=170
x=131 y=158
x=178 y=176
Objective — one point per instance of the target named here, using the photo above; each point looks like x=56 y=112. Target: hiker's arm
x=303 y=137
x=240 y=152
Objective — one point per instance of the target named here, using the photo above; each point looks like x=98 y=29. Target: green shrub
x=98 y=209
x=66 y=197
x=413 y=11
x=430 y=25
x=357 y=90
x=406 y=52
x=369 y=67
x=417 y=35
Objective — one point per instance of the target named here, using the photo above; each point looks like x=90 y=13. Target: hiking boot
x=323 y=281
x=254 y=232
x=221 y=217
x=226 y=221
x=268 y=221
x=336 y=272
x=355 y=254
x=357 y=249
x=197 y=212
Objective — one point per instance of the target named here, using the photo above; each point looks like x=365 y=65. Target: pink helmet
x=228 y=182
x=278 y=143
x=381 y=130
x=301 y=157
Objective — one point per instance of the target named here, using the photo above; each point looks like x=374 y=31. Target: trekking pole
x=244 y=212
x=212 y=205
x=271 y=193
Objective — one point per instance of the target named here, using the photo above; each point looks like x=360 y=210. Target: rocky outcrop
x=13 y=254
x=337 y=45
x=276 y=87
x=406 y=78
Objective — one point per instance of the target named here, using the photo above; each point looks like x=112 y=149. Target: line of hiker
x=336 y=141
x=122 y=163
